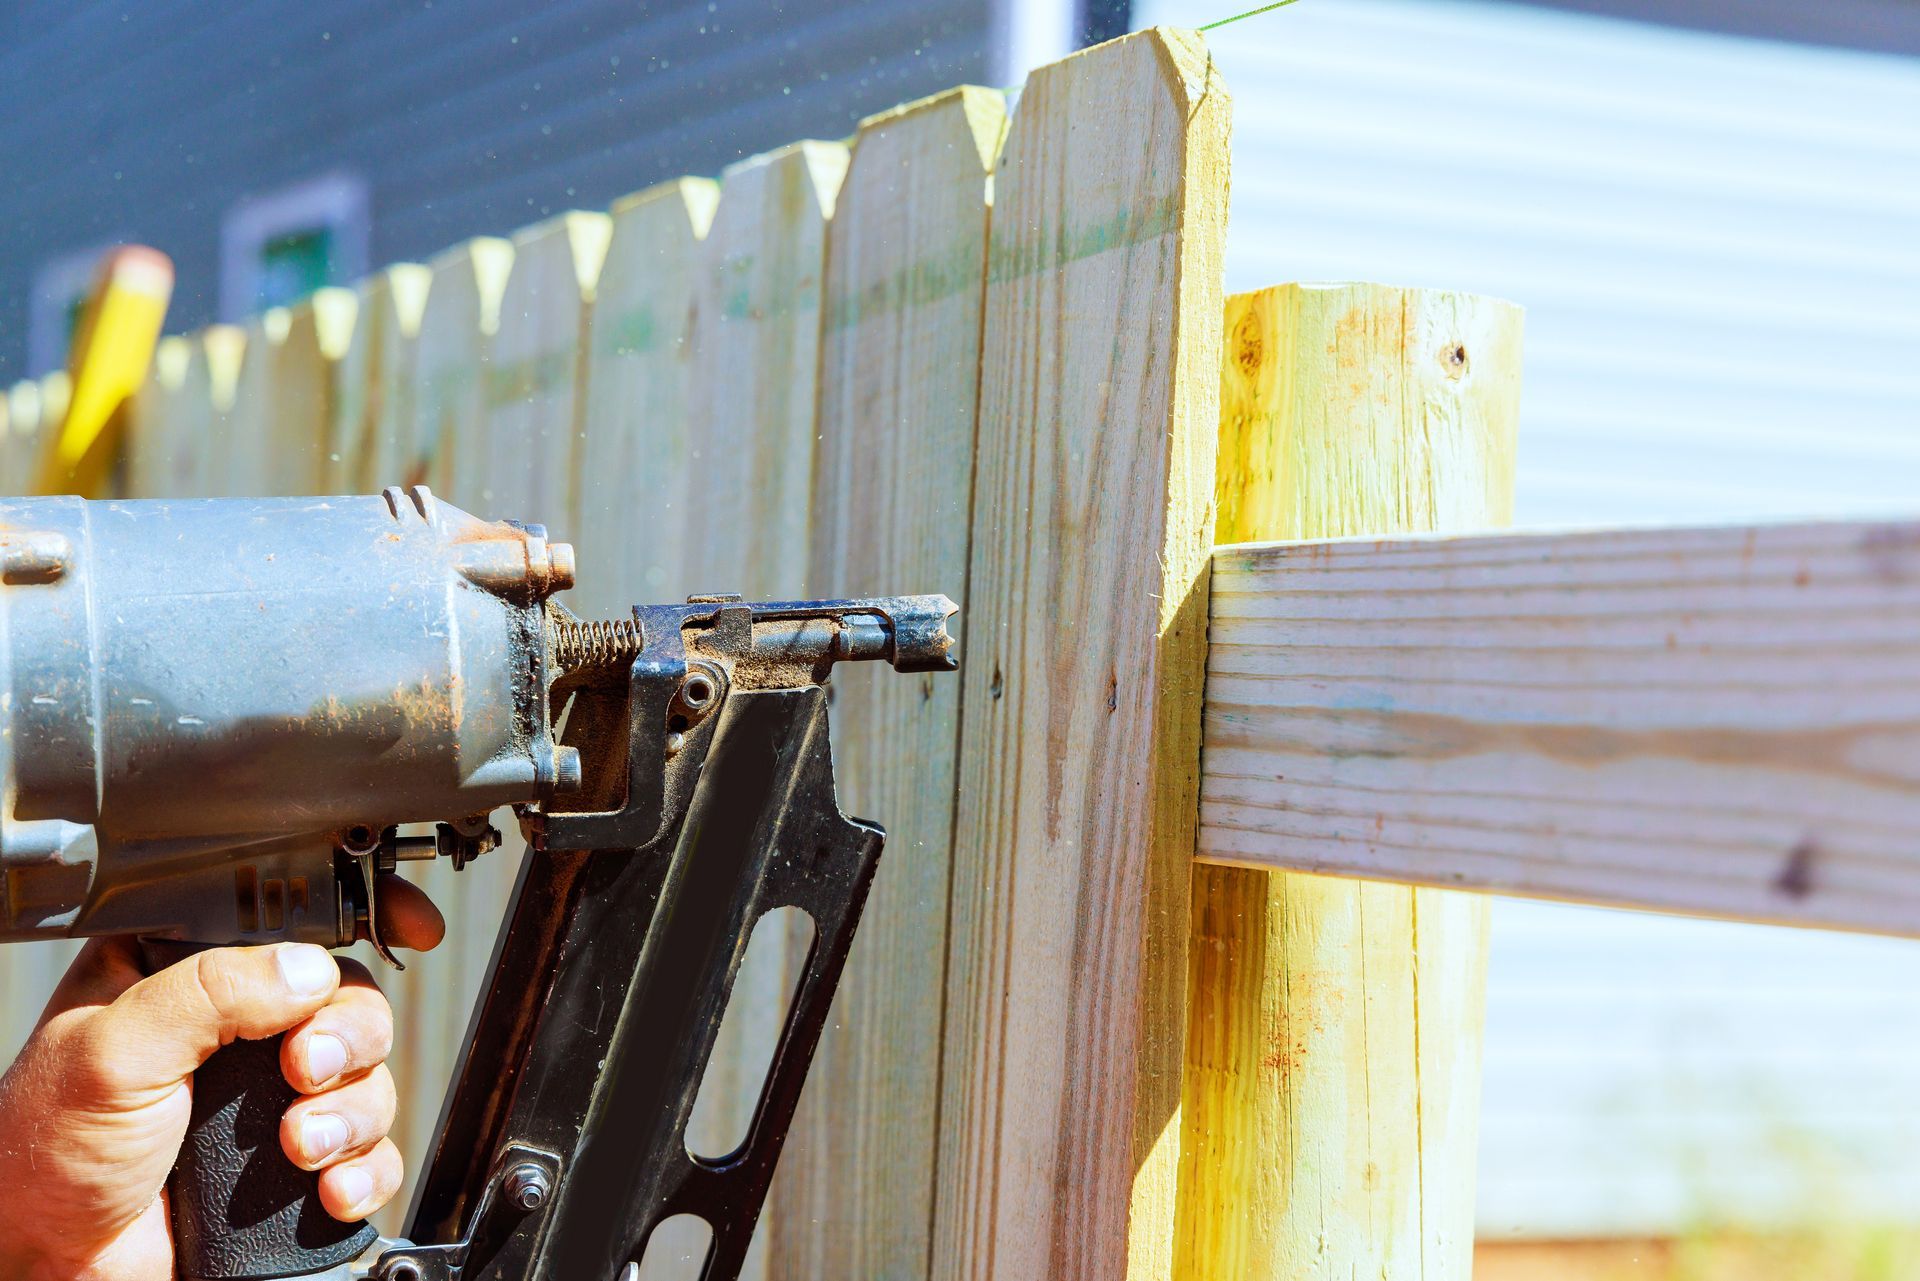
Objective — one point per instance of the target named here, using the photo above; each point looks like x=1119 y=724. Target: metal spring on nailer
x=581 y=643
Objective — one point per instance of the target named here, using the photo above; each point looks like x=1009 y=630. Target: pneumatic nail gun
x=219 y=716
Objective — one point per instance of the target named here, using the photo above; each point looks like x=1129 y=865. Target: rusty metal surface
x=202 y=696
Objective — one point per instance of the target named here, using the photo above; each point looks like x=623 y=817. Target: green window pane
x=293 y=266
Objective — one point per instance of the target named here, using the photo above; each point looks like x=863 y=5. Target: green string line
x=1251 y=13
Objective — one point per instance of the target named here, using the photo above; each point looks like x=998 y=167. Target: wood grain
x=450 y=363
x=1083 y=653
x=1718 y=722
x=535 y=381
x=899 y=381
x=1332 y=1085
x=636 y=479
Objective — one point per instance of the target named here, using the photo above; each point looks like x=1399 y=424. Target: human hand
x=93 y=1111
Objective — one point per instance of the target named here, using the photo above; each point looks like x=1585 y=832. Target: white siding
x=1718 y=244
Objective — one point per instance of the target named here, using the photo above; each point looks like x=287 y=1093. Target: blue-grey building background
x=274 y=145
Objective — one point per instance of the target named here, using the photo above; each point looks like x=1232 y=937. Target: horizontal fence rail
x=1720 y=722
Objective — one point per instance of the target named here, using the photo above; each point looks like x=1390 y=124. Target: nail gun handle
x=240 y=1208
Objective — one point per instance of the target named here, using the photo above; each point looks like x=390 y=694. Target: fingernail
x=307 y=970
x=326 y=1056
x=353 y=1184
x=321 y=1135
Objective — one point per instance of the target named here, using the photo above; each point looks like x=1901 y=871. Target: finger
x=341 y=1123
x=408 y=917
x=346 y=1036
x=352 y=1190
x=167 y=1024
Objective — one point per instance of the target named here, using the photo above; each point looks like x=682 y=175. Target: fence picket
x=250 y=433
x=635 y=481
x=156 y=429
x=309 y=387
x=751 y=412
x=370 y=427
x=1084 y=652
x=899 y=383
x=389 y=450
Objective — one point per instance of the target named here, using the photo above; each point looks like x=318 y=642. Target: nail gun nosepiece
x=921 y=641
x=910 y=632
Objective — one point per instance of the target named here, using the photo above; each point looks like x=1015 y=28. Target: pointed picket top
x=334 y=313
x=407 y=284
x=223 y=347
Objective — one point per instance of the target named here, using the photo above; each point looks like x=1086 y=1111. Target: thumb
x=163 y=1027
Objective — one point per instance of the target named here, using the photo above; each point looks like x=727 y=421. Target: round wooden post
x=1331 y=1096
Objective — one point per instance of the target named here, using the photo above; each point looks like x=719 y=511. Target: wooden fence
x=983 y=349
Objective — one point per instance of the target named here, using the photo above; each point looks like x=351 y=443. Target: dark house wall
x=147 y=119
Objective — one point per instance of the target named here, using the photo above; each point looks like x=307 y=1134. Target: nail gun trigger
x=369 y=875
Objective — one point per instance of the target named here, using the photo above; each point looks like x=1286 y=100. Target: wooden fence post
x=1332 y=1079
x=1083 y=652
x=892 y=495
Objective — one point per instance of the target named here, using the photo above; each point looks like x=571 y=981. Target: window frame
x=56 y=283
x=338 y=201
